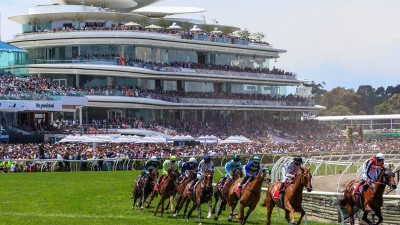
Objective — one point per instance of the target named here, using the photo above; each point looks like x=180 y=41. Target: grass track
x=85 y=198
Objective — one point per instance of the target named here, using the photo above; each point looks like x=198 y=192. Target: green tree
x=341 y=96
x=339 y=110
x=35 y=22
x=383 y=108
x=79 y=18
x=186 y=25
x=118 y=18
x=244 y=33
x=163 y=23
x=258 y=36
x=317 y=90
x=207 y=27
x=143 y=21
x=380 y=92
x=368 y=98
x=226 y=30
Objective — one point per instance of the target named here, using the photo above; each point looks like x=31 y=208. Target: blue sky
x=339 y=42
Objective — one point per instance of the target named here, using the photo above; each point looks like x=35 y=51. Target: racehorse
x=144 y=186
x=249 y=197
x=202 y=193
x=292 y=197
x=181 y=188
x=221 y=191
x=168 y=189
x=372 y=196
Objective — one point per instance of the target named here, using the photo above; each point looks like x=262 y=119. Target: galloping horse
x=249 y=198
x=168 y=189
x=221 y=191
x=372 y=196
x=292 y=197
x=144 y=187
x=202 y=193
x=181 y=188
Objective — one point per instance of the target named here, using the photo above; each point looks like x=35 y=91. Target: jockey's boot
x=356 y=191
x=238 y=190
x=192 y=185
x=281 y=188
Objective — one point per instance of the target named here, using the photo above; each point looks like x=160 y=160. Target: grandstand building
x=127 y=66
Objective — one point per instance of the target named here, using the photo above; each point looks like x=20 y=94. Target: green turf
x=85 y=198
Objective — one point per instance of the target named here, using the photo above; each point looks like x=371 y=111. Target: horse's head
x=306 y=177
x=388 y=178
x=237 y=173
x=208 y=178
x=192 y=175
x=153 y=173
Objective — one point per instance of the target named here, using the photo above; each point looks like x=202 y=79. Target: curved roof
x=6 y=47
x=119 y=5
x=359 y=117
x=162 y=11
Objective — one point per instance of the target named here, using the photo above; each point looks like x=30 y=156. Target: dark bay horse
x=202 y=193
x=181 y=188
x=221 y=192
x=168 y=190
x=292 y=197
x=250 y=196
x=372 y=196
x=144 y=187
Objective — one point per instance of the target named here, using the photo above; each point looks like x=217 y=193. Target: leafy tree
x=35 y=22
x=186 y=25
x=380 y=92
x=79 y=18
x=383 y=108
x=341 y=96
x=118 y=18
x=163 y=23
x=317 y=90
x=258 y=36
x=143 y=21
x=244 y=33
x=226 y=30
x=368 y=98
x=339 y=110
x=207 y=27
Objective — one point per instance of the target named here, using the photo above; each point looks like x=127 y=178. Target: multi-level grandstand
x=131 y=69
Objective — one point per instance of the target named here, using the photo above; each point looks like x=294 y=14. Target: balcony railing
x=108 y=61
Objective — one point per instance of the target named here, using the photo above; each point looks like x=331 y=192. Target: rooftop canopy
x=4 y=47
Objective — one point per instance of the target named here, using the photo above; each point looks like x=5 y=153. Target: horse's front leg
x=209 y=209
x=198 y=203
x=302 y=213
x=171 y=202
x=216 y=196
x=247 y=215
x=378 y=213
x=365 y=218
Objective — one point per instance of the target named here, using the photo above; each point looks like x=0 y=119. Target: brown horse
x=181 y=188
x=144 y=186
x=292 y=197
x=250 y=196
x=221 y=191
x=372 y=196
x=168 y=190
x=202 y=193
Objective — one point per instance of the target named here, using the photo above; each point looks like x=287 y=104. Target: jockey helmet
x=207 y=159
x=193 y=160
x=236 y=158
x=256 y=159
x=153 y=159
x=380 y=156
x=173 y=158
x=298 y=160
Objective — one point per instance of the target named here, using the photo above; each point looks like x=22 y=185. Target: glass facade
x=14 y=62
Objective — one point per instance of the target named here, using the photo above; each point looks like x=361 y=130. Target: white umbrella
x=132 y=24
x=174 y=26
x=195 y=28
x=152 y=26
x=216 y=31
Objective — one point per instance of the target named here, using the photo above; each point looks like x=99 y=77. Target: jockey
x=252 y=168
x=289 y=171
x=231 y=166
x=371 y=169
x=204 y=165
x=152 y=162
x=167 y=163
x=188 y=167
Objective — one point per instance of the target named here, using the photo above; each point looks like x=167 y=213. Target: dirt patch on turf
x=330 y=183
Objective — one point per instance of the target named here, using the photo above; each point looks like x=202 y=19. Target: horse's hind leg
x=209 y=203
x=270 y=206
x=153 y=194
